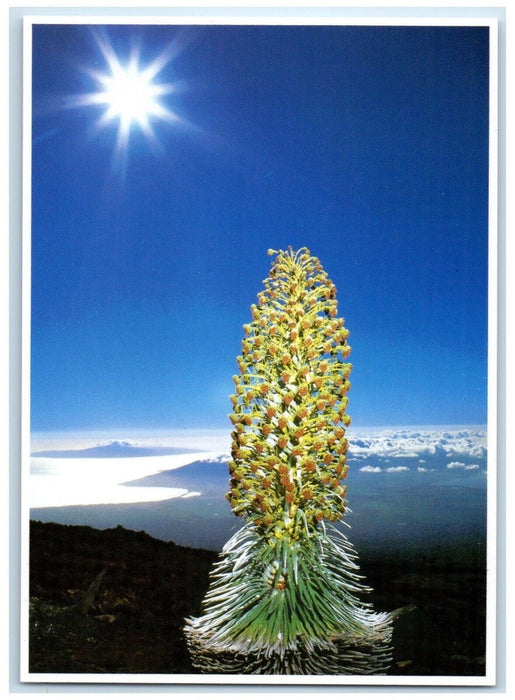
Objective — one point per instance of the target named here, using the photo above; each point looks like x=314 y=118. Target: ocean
x=409 y=491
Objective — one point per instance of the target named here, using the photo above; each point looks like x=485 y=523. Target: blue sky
x=368 y=145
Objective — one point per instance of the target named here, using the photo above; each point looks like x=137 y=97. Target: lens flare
x=130 y=93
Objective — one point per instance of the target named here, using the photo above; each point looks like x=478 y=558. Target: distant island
x=116 y=448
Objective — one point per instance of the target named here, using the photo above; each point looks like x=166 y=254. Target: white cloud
x=462 y=465
x=219 y=459
x=369 y=469
x=453 y=444
x=456 y=465
x=422 y=469
x=397 y=469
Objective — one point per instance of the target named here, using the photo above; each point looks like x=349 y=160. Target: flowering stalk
x=284 y=595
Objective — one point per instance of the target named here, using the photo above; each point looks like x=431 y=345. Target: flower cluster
x=289 y=406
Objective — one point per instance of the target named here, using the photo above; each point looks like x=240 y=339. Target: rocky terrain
x=114 y=601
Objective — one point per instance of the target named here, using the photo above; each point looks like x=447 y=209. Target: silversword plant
x=285 y=595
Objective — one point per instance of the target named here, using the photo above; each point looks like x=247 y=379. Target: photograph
x=259 y=350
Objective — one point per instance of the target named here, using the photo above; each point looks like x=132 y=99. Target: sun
x=129 y=94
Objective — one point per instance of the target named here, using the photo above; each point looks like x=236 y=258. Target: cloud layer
x=97 y=480
x=99 y=473
x=464 y=448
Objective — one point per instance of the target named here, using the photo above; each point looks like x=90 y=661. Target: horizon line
x=163 y=430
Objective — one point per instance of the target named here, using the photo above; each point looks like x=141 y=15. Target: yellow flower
x=310 y=465
x=289 y=405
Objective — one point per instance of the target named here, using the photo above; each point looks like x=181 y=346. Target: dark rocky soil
x=114 y=601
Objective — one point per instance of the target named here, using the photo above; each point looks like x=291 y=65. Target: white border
x=263 y=20
x=308 y=19
x=26 y=340
x=492 y=379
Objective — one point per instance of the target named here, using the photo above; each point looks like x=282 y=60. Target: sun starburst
x=130 y=93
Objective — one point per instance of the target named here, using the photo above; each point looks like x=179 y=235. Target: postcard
x=259 y=342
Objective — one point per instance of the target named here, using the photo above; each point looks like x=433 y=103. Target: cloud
x=218 y=459
x=462 y=465
x=421 y=444
x=369 y=469
x=456 y=465
x=397 y=469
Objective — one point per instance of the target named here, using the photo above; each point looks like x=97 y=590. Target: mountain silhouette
x=116 y=448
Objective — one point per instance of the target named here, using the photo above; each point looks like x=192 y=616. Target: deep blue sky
x=368 y=145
